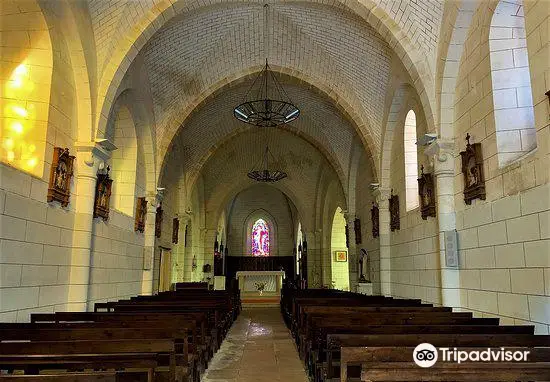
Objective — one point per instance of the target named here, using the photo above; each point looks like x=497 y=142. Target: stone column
x=314 y=260
x=352 y=252
x=444 y=161
x=149 y=250
x=382 y=196
x=88 y=158
x=208 y=254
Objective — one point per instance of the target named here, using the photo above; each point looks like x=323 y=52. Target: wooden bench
x=331 y=368
x=102 y=376
x=396 y=364
x=144 y=357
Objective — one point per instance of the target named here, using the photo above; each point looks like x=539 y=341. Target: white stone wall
x=503 y=241
x=253 y=201
x=364 y=203
x=117 y=259
x=35 y=249
x=339 y=269
x=505 y=258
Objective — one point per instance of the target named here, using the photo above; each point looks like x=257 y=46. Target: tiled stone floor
x=258 y=348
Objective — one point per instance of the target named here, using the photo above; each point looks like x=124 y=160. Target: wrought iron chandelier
x=266 y=103
x=264 y=174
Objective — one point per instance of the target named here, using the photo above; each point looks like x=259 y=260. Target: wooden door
x=165 y=277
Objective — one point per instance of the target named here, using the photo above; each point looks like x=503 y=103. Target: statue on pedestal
x=364 y=267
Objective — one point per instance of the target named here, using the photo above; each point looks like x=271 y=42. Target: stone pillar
x=382 y=196
x=208 y=254
x=352 y=252
x=149 y=250
x=314 y=260
x=88 y=158
x=444 y=161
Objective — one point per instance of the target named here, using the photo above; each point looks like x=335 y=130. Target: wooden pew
x=102 y=376
x=201 y=345
x=330 y=368
x=396 y=364
x=132 y=355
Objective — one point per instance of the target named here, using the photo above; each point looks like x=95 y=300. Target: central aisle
x=258 y=348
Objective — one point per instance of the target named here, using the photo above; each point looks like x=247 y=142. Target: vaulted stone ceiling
x=327 y=44
x=212 y=123
x=309 y=173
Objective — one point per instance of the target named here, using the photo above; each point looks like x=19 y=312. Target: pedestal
x=219 y=282
x=365 y=288
x=249 y=282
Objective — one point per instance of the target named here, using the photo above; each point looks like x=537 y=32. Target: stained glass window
x=260 y=238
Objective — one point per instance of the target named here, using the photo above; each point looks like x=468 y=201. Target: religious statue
x=60 y=176
x=364 y=267
x=102 y=195
x=472 y=170
x=426 y=191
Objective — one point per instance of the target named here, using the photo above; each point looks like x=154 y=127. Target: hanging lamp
x=266 y=104
x=262 y=173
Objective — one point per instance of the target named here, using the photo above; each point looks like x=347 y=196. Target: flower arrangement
x=260 y=287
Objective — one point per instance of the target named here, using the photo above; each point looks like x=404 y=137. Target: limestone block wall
x=339 y=269
x=117 y=259
x=252 y=200
x=415 y=269
x=364 y=202
x=36 y=238
x=505 y=258
x=35 y=247
x=503 y=240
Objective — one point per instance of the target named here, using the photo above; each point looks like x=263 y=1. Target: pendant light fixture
x=266 y=104
x=262 y=173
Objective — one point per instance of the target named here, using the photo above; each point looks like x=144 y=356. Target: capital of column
x=381 y=194
x=442 y=152
x=89 y=157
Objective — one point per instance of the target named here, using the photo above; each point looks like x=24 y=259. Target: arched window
x=260 y=238
x=512 y=98
x=411 y=161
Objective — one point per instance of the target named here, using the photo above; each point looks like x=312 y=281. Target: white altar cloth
x=248 y=285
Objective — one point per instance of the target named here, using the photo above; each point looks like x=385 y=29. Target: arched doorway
x=339 y=252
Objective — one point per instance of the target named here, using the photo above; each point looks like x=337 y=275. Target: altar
x=260 y=288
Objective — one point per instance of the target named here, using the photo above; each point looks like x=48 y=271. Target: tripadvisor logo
x=426 y=355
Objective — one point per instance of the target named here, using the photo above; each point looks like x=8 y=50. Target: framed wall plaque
x=472 y=169
x=158 y=221
x=375 y=220
x=357 y=230
x=175 y=230
x=426 y=190
x=340 y=256
x=60 y=176
x=141 y=212
x=102 y=195
x=394 y=212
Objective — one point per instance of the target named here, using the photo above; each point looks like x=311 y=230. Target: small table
x=249 y=282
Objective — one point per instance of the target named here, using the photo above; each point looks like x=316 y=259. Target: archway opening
x=411 y=161
x=512 y=96
x=339 y=252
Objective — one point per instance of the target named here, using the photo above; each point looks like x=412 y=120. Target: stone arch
x=132 y=161
x=339 y=269
x=459 y=16
x=238 y=188
x=413 y=60
x=411 y=161
x=347 y=111
x=27 y=92
x=511 y=82
x=329 y=156
x=250 y=220
x=68 y=21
